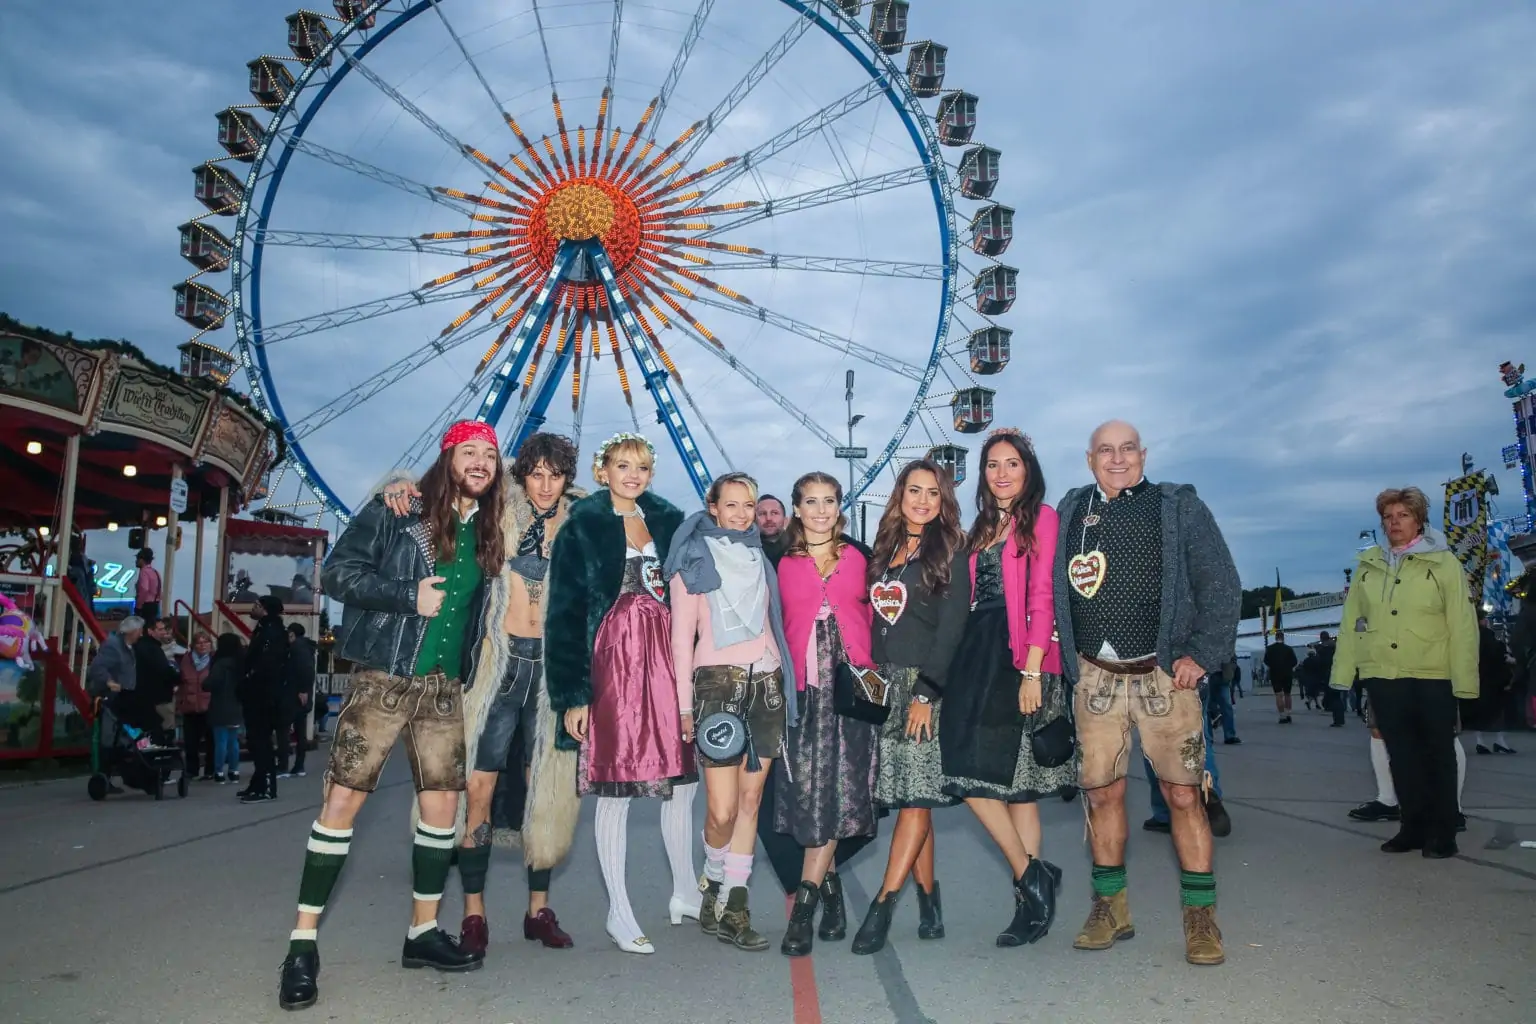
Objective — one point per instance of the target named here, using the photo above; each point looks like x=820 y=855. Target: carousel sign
x=152 y=405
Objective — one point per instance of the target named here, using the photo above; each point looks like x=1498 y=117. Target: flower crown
x=1013 y=432
x=622 y=437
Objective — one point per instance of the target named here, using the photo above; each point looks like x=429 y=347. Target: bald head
x=1116 y=457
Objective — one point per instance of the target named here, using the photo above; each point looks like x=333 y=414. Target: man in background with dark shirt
x=1147 y=603
x=1281 y=662
x=771 y=523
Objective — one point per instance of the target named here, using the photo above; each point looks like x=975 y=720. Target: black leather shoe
x=437 y=949
x=872 y=934
x=1055 y=873
x=1499 y=748
x=1156 y=825
x=1440 y=851
x=1483 y=750
x=1216 y=814
x=834 y=913
x=296 y=989
x=802 y=919
x=1375 y=810
x=930 y=913
x=1034 y=906
x=1403 y=842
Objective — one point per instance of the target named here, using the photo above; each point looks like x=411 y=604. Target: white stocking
x=677 y=835
x=1461 y=770
x=612 y=827
x=1386 y=793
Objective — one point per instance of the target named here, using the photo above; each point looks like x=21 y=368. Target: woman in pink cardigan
x=728 y=652
x=825 y=788
x=1006 y=677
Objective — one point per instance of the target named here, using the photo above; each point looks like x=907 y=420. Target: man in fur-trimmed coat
x=509 y=691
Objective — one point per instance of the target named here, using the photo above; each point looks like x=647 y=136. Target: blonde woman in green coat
x=1410 y=631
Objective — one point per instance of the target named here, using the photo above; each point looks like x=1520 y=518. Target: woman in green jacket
x=1410 y=631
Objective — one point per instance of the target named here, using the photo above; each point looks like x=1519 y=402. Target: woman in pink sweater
x=728 y=652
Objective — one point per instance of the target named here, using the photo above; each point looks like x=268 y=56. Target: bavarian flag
x=1466 y=525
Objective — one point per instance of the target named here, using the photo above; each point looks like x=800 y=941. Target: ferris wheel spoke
x=381 y=381
x=613 y=43
x=827 y=339
x=690 y=39
x=839 y=193
x=549 y=67
x=415 y=454
x=829 y=264
x=819 y=121
x=367 y=170
x=437 y=7
x=406 y=105
x=354 y=314
x=755 y=74
x=363 y=243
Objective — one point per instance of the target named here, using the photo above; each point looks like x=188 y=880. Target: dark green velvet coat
x=586 y=570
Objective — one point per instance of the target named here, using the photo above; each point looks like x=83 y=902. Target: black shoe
x=1483 y=750
x=1461 y=822
x=802 y=918
x=930 y=913
x=296 y=988
x=870 y=938
x=1335 y=725
x=1028 y=916
x=256 y=796
x=1055 y=873
x=1402 y=843
x=1499 y=748
x=1231 y=741
x=1286 y=720
x=1441 y=851
x=1157 y=825
x=1216 y=813
x=834 y=914
x=1375 y=810
x=437 y=949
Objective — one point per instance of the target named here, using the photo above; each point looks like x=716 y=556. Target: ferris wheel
x=590 y=215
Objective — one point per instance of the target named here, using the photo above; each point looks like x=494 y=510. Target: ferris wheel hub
x=578 y=212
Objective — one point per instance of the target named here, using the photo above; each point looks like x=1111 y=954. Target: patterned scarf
x=532 y=542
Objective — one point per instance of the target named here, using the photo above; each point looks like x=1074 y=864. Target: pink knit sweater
x=693 y=643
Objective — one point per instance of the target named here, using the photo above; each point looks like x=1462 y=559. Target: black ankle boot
x=297 y=988
x=871 y=935
x=834 y=915
x=797 y=934
x=930 y=913
x=1041 y=881
x=1027 y=914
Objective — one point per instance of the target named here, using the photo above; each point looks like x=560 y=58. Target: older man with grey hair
x=1147 y=603
x=113 y=668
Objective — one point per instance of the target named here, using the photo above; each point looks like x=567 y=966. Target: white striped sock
x=612 y=828
x=677 y=836
x=434 y=837
x=1386 y=793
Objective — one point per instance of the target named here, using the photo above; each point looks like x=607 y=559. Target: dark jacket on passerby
x=266 y=667
x=301 y=672
x=1281 y=662
x=157 y=678
x=222 y=686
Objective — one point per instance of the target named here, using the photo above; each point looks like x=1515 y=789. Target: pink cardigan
x=693 y=643
x=1032 y=615
x=800 y=594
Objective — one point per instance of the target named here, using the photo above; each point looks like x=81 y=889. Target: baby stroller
x=133 y=750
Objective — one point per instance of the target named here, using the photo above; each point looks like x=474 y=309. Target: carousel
x=95 y=438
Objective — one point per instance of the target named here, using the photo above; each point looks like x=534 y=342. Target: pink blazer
x=800 y=594
x=1029 y=592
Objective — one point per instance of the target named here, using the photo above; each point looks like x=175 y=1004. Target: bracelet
x=1030 y=675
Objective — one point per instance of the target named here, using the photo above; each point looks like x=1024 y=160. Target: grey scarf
x=691 y=558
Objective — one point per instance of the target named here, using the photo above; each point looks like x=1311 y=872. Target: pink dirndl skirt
x=634 y=742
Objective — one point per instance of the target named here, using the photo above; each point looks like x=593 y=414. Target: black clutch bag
x=1052 y=743
x=860 y=693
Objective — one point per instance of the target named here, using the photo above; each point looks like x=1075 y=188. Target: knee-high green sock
x=431 y=857
x=474 y=862
x=1108 y=880
x=1197 y=888
x=326 y=853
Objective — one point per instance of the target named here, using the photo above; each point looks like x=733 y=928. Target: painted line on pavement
x=888 y=968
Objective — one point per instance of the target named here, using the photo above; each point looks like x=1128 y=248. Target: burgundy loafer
x=545 y=927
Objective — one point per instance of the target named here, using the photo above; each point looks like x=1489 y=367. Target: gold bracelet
x=1030 y=675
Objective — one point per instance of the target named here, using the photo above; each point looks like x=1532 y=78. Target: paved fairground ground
x=179 y=911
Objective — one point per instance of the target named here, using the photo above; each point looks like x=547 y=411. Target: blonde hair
x=638 y=447
x=1411 y=498
x=718 y=485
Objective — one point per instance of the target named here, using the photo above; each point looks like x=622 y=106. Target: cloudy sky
x=1291 y=242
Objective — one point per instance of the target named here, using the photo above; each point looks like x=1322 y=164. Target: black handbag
x=860 y=693
x=1052 y=743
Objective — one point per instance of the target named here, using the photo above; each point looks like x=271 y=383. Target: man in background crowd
x=157 y=673
x=771 y=524
x=266 y=674
x=146 y=594
x=297 y=698
x=1280 y=660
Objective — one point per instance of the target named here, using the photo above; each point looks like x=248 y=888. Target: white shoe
x=637 y=944
x=680 y=907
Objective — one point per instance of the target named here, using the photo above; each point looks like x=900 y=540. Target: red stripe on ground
x=802 y=979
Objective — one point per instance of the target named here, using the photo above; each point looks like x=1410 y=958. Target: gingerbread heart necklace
x=889 y=596
x=1086 y=569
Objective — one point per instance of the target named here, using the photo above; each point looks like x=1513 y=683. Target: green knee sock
x=326 y=853
x=431 y=858
x=1108 y=880
x=1197 y=888
x=474 y=862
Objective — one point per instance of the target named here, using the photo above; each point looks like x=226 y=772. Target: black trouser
x=259 y=723
x=1333 y=700
x=1417 y=720
x=293 y=737
x=196 y=736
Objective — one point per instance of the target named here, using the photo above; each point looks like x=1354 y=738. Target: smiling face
x=1400 y=524
x=202 y=643
x=770 y=517
x=544 y=486
x=627 y=471
x=473 y=468
x=1116 y=457
x=1005 y=473
x=921 y=499
x=818 y=511
x=735 y=508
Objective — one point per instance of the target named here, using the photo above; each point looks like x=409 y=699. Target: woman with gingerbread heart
x=608 y=670
x=920 y=593
x=1006 y=680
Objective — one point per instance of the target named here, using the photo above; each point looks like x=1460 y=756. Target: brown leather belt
x=1146 y=666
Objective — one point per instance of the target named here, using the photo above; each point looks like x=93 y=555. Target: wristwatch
x=922 y=698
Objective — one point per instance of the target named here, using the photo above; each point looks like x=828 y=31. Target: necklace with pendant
x=1086 y=569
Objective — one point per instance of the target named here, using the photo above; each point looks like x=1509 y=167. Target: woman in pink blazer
x=1006 y=677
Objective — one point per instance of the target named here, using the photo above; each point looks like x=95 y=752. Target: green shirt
x=442 y=649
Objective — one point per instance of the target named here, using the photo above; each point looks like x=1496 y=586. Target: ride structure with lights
x=577 y=244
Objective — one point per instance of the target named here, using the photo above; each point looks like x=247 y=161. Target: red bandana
x=469 y=430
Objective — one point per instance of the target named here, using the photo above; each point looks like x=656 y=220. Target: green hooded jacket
x=1409 y=618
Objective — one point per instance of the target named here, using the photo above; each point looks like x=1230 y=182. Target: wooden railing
x=233 y=617
x=183 y=611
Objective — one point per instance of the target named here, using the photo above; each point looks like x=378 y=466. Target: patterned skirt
x=825 y=784
x=910 y=773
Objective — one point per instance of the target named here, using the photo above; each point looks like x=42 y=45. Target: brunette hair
x=438 y=496
x=1410 y=498
x=1025 y=508
x=794 y=534
x=555 y=451
x=941 y=539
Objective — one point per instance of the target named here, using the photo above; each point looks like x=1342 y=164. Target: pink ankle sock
x=738 y=868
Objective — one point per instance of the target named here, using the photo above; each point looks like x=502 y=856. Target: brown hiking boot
x=1202 y=939
x=1108 y=922
x=709 y=921
x=736 y=923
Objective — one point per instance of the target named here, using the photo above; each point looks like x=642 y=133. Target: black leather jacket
x=374 y=570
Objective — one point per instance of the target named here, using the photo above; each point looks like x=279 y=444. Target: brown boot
x=1202 y=939
x=736 y=923
x=1108 y=922
x=709 y=921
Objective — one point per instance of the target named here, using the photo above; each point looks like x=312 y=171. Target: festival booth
x=95 y=436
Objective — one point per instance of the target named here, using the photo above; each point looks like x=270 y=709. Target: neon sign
x=112 y=576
